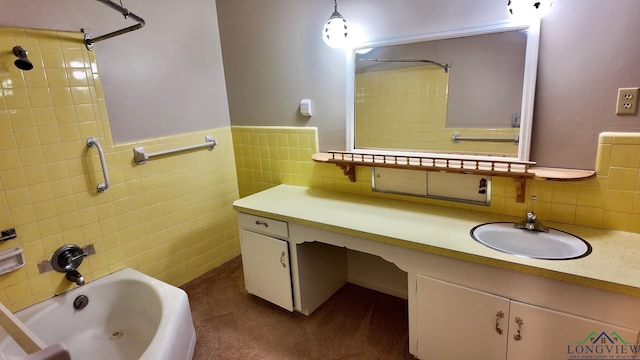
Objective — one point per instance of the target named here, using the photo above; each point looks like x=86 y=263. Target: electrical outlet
x=515 y=120
x=627 y=101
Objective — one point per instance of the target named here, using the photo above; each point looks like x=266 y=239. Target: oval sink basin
x=552 y=245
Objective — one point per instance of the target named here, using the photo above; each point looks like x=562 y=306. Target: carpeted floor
x=355 y=323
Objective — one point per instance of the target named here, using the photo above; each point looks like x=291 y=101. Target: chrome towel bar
x=457 y=138
x=140 y=157
x=103 y=186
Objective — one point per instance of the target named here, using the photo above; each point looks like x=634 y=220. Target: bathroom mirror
x=462 y=93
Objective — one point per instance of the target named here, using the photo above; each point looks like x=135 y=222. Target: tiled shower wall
x=407 y=109
x=611 y=200
x=171 y=218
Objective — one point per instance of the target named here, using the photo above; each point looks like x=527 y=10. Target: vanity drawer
x=264 y=225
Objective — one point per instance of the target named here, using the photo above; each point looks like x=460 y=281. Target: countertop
x=613 y=264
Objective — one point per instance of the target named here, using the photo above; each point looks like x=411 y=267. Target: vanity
x=465 y=300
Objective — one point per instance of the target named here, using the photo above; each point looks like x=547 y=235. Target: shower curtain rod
x=445 y=66
x=88 y=41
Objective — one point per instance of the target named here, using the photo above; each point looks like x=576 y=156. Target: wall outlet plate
x=627 y=103
x=515 y=120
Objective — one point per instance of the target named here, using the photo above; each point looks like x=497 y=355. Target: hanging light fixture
x=528 y=9
x=335 y=32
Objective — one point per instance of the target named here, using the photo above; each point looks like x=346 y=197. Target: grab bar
x=457 y=138
x=103 y=186
x=140 y=157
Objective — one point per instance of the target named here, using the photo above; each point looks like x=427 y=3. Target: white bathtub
x=129 y=316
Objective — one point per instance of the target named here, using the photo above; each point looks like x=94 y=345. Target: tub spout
x=74 y=276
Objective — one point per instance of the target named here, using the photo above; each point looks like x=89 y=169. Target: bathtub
x=129 y=315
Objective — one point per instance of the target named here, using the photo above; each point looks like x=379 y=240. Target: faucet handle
x=72 y=259
x=68 y=258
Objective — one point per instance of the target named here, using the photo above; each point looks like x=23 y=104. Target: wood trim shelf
x=557 y=174
x=519 y=171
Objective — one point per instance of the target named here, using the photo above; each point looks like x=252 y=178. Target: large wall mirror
x=463 y=93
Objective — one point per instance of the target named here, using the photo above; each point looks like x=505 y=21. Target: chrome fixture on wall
x=67 y=259
x=23 y=62
x=446 y=67
x=88 y=41
x=140 y=156
x=335 y=32
x=103 y=186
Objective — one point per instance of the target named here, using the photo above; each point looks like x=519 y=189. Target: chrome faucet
x=67 y=259
x=76 y=277
x=531 y=222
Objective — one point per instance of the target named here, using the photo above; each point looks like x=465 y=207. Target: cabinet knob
x=518 y=336
x=499 y=315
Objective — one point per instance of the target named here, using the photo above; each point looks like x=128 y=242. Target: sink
x=553 y=245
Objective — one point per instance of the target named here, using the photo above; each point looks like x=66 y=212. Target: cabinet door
x=548 y=334
x=456 y=322
x=265 y=261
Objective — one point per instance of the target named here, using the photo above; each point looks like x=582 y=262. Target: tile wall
x=407 y=108
x=610 y=200
x=171 y=218
x=268 y=156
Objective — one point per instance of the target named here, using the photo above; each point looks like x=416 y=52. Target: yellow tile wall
x=407 y=109
x=268 y=156
x=611 y=200
x=171 y=218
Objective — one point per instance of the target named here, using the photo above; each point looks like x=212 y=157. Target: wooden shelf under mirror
x=519 y=171
x=557 y=174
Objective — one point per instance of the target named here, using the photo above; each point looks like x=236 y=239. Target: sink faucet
x=531 y=222
x=76 y=277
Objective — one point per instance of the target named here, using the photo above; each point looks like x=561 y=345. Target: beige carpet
x=355 y=323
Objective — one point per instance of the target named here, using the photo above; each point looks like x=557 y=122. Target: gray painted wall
x=274 y=56
x=164 y=79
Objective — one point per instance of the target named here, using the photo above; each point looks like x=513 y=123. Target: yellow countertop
x=613 y=265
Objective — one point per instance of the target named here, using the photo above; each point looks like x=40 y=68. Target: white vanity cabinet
x=265 y=259
x=287 y=265
x=457 y=322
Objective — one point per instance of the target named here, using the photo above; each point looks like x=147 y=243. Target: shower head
x=22 y=63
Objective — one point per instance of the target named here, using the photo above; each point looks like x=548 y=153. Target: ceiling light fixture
x=335 y=32
x=528 y=9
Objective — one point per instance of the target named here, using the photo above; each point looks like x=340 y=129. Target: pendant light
x=335 y=31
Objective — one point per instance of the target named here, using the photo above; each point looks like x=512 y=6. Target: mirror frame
x=528 y=86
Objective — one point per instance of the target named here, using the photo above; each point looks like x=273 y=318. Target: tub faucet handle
x=68 y=258
x=71 y=259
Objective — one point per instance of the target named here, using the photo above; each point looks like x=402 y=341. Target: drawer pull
x=264 y=223
x=499 y=315
x=518 y=336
